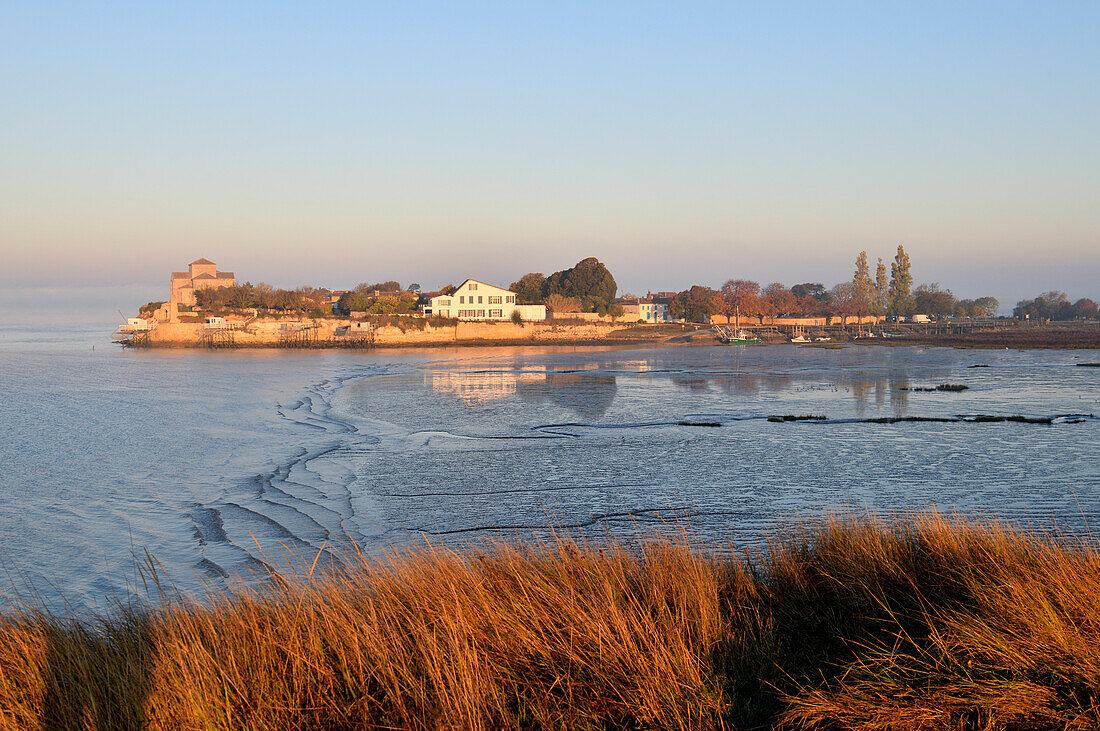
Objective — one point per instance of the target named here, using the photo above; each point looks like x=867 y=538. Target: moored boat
x=739 y=337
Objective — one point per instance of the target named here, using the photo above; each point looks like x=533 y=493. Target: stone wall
x=268 y=333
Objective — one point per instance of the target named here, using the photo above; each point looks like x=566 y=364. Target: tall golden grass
x=921 y=623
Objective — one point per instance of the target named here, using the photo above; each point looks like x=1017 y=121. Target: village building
x=474 y=300
x=647 y=309
x=201 y=274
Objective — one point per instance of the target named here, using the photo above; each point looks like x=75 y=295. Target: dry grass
x=925 y=623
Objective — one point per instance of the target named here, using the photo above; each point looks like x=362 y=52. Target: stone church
x=201 y=274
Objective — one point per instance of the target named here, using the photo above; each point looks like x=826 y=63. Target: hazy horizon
x=688 y=144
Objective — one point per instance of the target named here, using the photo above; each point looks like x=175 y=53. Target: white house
x=646 y=309
x=475 y=300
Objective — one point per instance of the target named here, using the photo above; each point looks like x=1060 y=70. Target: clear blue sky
x=332 y=143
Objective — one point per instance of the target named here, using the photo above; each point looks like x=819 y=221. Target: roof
x=181 y=275
x=478 y=281
x=205 y=276
x=226 y=275
x=201 y=261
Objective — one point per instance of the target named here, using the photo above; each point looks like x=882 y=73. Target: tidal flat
x=211 y=460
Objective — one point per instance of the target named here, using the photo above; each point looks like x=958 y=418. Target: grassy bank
x=920 y=624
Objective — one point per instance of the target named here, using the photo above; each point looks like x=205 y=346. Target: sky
x=680 y=143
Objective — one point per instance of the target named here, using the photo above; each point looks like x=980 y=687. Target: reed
x=917 y=623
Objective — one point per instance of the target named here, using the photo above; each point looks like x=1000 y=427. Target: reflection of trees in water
x=890 y=386
x=588 y=394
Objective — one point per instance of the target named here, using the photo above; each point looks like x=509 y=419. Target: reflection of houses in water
x=481 y=387
x=586 y=392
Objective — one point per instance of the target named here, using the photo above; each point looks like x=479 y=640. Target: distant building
x=474 y=300
x=649 y=309
x=201 y=274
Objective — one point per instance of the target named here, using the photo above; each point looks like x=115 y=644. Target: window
x=479 y=300
x=481 y=313
x=496 y=313
x=461 y=300
x=494 y=300
x=444 y=313
x=473 y=287
x=444 y=303
x=510 y=299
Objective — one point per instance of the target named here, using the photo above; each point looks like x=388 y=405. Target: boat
x=822 y=339
x=800 y=338
x=739 y=337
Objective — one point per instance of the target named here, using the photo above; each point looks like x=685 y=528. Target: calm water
x=213 y=460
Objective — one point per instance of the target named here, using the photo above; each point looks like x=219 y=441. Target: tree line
x=1055 y=305
x=263 y=296
x=888 y=292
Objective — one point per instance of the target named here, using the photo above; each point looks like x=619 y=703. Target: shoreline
x=191 y=336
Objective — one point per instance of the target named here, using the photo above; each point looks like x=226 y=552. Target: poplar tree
x=882 y=289
x=862 y=285
x=901 y=285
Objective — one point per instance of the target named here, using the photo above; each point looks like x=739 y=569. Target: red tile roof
x=201 y=261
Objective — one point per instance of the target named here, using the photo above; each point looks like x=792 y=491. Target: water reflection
x=586 y=392
x=481 y=386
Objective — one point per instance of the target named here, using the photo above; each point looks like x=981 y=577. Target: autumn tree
x=740 y=297
x=696 y=304
x=863 y=287
x=882 y=289
x=1085 y=309
x=778 y=300
x=842 y=301
x=901 y=285
x=530 y=289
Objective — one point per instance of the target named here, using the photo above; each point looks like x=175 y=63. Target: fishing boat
x=737 y=337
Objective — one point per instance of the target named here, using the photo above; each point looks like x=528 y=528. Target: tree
x=901 y=284
x=1053 y=305
x=1085 y=309
x=985 y=307
x=779 y=300
x=882 y=289
x=863 y=287
x=387 y=286
x=811 y=289
x=929 y=299
x=696 y=304
x=981 y=307
x=842 y=301
x=530 y=289
x=558 y=303
x=813 y=298
x=740 y=297
x=589 y=282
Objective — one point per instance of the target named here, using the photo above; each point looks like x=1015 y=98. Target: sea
x=212 y=467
